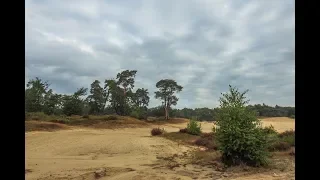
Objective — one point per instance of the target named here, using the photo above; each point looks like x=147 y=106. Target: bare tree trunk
x=166 y=111
x=168 y=107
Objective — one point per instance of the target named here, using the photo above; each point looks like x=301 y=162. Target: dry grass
x=96 y=146
x=162 y=121
x=183 y=138
x=50 y=123
x=43 y=126
x=280 y=124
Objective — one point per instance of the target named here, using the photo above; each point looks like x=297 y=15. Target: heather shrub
x=184 y=130
x=156 y=131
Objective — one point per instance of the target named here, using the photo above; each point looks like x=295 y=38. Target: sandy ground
x=280 y=124
x=117 y=154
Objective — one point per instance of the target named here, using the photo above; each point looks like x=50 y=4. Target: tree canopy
x=167 y=89
x=120 y=96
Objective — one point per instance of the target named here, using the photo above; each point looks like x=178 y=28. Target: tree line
x=117 y=96
x=207 y=114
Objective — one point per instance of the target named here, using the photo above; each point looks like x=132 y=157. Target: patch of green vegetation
x=240 y=138
x=194 y=127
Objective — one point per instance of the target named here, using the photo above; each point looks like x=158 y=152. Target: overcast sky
x=204 y=45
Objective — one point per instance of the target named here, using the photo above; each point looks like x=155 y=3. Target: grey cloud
x=204 y=45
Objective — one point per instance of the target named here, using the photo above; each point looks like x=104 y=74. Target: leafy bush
x=288 y=136
x=194 y=127
x=184 y=130
x=269 y=130
x=156 y=131
x=240 y=138
x=139 y=113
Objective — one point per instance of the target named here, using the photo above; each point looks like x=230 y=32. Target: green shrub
x=288 y=136
x=240 y=138
x=194 y=127
x=269 y=130
x=139 y=113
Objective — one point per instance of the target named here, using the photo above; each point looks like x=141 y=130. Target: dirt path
x=70 y=153
x=109 y=154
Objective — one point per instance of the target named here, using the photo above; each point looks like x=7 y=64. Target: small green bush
x=194 y=127
x=269 y=130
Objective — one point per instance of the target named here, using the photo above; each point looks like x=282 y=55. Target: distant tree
x=167 y=88
x=52 y=103
x=115 y=96
x=35 y=95
x=156 y=111
x=205 y=114
x=109 y=110
x=119 y=92
x=141 y=97
x=140 y=100
x=126 y=80
x=97 y=98
x=74 y=104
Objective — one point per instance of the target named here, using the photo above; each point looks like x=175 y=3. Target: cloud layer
x=204 y=45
